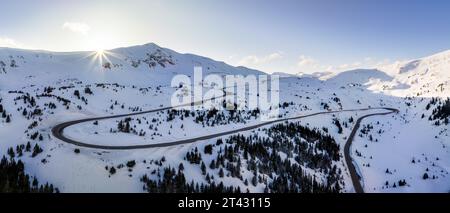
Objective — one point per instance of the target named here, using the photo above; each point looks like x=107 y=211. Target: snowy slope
x=425 y=77
x=144 y=65
x=138 y=78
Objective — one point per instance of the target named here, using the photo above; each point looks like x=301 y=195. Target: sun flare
x=100 y=57
x=100 y=52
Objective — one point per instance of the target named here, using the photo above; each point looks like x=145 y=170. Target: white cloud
x=306 y=64
x=255 y=60
x=76 y=27
x=9 y=42
x=275 y=56
x=248 y=60
x=305 y=61
x=357 y=64
x=383 y=62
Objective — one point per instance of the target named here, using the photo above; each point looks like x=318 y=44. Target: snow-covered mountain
x=425 y=77
x=428 y=76
x=40 y=89
x=139 y=65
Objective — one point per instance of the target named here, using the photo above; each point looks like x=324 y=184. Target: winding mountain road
x=348 y=159
x=58 y=132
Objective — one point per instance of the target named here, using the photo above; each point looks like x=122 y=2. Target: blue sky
x=279 y=35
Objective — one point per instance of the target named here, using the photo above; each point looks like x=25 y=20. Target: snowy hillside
x=426 y=77
x=139 y=65
x=406 y=151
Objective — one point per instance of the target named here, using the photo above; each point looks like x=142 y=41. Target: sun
x=100 y=52
x=100 y=56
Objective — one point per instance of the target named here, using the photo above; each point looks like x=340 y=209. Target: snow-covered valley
x=406 y=151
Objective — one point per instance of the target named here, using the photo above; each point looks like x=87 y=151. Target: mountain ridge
x=151 y=62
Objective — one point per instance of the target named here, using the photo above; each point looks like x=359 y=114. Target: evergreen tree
x=36 y=150
x=14 y=180
x=221 y=173
x=76 y=93
x=203 y=168
x=208 y=149
x=88 y=90
x=11 y=152
x=28 y=147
